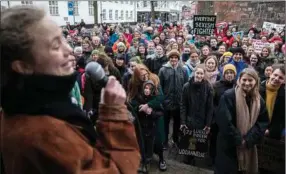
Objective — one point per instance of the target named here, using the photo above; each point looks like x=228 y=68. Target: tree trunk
x=95 y=13
x=152 y=11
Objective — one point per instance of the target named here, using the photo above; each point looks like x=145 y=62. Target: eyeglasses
x=145 y=75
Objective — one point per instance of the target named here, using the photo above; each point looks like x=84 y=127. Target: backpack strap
x=83 y=79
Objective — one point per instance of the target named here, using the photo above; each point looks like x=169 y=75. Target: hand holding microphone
x=112 y=92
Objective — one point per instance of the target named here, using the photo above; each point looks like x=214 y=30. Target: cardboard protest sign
x=271 y=155
x=194 y=142
x=258 y=45
x=238 y=35
x=204 y=24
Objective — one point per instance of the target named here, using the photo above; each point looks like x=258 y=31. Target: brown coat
x=44 y=144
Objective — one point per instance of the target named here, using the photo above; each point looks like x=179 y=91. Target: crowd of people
x=214 y=83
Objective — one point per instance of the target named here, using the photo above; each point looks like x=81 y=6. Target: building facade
x=164 y=10
x=107 y=11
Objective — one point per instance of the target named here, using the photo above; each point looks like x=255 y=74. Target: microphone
x=95 y=71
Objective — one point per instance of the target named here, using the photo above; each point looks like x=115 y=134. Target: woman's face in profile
x=52 y=54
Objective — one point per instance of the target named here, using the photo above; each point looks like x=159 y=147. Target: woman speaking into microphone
x=42 y=131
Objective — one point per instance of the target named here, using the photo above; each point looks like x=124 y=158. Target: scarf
x=212 y=76
x=193 y=65
x=38 y=95
x=246 y=117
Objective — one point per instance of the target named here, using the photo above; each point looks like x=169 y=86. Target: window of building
x=75 y=8
x=131 y=14
x=126 y=15
x=131 y=2
x=90 y=8
x=104 y=14
x=116 y=14
x=144 y=3
x=155 y=3
x=110 y=14
x=137 y=4
x=53 y=8
x=27 y=2
x=121 y=2
x=121 y=15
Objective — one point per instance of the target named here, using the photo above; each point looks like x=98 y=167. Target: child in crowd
x=148 y=126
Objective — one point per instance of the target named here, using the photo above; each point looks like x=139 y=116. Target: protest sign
x=258 y=45
x=271 y=155
x=194 y=142
x=204 y=24
x=269 y=25
x=237 y=35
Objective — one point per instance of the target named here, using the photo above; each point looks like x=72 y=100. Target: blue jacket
x=238 y=65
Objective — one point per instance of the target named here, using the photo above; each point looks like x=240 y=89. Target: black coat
x=154 y=65
x=196 y=104
x=278 y=117
x=229 y=136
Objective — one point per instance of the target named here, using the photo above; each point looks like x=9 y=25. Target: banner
x=204 y=24
x=194 y=142
x=269 y=25
x=237 y=35
x=271 y=155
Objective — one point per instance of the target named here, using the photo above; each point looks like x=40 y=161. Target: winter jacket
x=229 y=137
x=238 y=65
x=155 y=64
x=228 y=40
x=196 y=104
x=172 y=81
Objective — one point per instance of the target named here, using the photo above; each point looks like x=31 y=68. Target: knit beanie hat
x=172 y=40
x=173 y=53
x=94 y=52
x=136 y=59
x=78 y=50
x=229 y=67
x=237 y=50
x=228 y=54
x=187 y=45
x=121 y=44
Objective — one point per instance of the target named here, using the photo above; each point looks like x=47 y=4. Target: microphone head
x=95 y=71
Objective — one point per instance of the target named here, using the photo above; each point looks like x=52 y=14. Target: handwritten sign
x=271 y=155
x=258 y=45
x=269 y=25
x=194 y=142
x=204 y=24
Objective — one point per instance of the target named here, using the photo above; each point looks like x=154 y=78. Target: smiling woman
x=38 y=76
x=242 y=120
